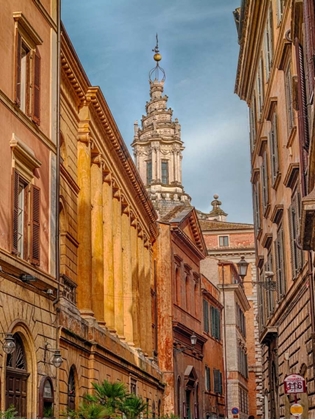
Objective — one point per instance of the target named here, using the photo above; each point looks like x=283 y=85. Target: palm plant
x=133 y=406
x=109 y=394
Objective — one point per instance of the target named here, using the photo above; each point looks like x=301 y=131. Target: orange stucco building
x=107 y=229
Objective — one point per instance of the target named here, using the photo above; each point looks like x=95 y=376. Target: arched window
x=46 y=399
x=16 y=379
x=71 y=389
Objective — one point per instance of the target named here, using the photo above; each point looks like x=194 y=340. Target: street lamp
x=193 y=341
x=8 y=344
x=242 y=266
x=56 y=360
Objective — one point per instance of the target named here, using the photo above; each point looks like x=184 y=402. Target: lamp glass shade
x=193 y=339
x=9 y=344
x=57 y=359
x=242 y=266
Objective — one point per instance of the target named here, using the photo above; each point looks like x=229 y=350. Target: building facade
x=107 y=304
x=271 y=79
x=214 y=371
x=28 y=259
x=228 y=241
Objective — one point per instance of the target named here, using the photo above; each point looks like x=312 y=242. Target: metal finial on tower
x=157 y=69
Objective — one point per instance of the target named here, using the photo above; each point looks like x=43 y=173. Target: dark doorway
x=16 y=379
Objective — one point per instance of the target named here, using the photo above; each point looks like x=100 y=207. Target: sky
x=198 y=42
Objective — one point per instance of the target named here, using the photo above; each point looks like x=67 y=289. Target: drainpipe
x=225 y=350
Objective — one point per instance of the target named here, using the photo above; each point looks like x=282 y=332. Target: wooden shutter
x=309 y=18
x=36 y=88
x=303 y=116
x=206 y=316
x=15 y=194
x=35 y=225
x=18 y=69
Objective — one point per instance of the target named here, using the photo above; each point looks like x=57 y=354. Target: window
x=207 y=379
x=215 y=323
x=164 y=172
x=242 y=361
x=294 y=218
x=252 y=123
x=268 y=41
x=149 y=172
x=256 y=204
x=270 y=299
x=240 y=320
x=273 y=141
x=27 y=68
x=71 y=389
x=133 y=386
x=217 y=377
x=280 y=6
x=206 y=316
x=26 y=213
x=280 y=265
x=289 y=96
x=223 y=240
x=26 y=203
x=260 y=86
x=265 y=180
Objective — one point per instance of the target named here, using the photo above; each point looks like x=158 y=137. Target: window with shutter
x=26 y=242
x=289 y=96
x=35 y=226
x=206 y=316
x=256 y=205
x=268 y=42
x=303 y=119
x=273 y=141
x=253 y=122
x=36 y=89
x=280 y=263
x=265 y=180
x=27 y=67
x=296 y=252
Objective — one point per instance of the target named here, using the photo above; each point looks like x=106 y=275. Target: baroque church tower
x=158 y=147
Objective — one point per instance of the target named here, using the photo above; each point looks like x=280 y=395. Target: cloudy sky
x=198 y=42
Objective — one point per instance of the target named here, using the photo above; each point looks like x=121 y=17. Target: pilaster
x=97 y=238
x=108 y=251
x=84 y=217
x=118 y=266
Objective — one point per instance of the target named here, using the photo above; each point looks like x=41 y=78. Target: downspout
x=57 y=250
x=225 y=351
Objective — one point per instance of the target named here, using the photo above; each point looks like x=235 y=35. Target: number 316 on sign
x=294 y=384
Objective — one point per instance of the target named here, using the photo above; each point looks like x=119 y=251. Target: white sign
x=294 y=384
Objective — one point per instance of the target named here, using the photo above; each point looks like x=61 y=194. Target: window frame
x=26 y=37
x=225 y=238
x=164 y=171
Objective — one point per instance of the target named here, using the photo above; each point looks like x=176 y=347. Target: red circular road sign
x=294 y=384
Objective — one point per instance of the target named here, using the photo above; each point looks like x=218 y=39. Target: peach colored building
x=227 y=242
x=28 y=209
x=274 y=59
x=214 y=372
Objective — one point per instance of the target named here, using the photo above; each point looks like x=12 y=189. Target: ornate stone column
x=84 y=216
x=108 y=251
x=97 y=238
